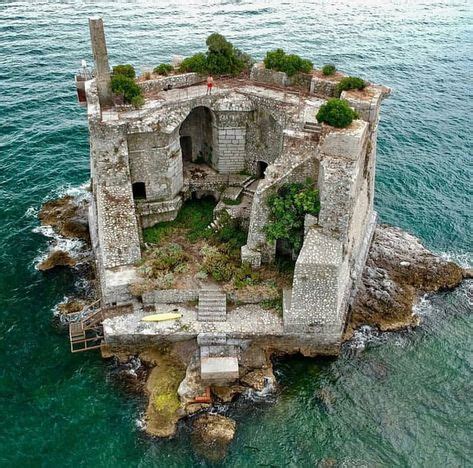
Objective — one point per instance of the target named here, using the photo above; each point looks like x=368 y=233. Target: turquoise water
x=399 y=399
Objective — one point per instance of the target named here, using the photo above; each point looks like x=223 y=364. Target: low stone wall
x=263 y=75
x=156 y=212
x=170 y=296
x=324 y=87
x=173 y=81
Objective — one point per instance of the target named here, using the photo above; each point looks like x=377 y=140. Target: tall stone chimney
x=102 y=68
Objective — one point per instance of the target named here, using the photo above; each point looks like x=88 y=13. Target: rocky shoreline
x=398 y=271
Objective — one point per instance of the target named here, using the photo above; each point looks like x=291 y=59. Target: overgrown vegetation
x=350 y=82
x=288 y=208
x=163 y=69
x=193 y=219
x=125 y=70
x=328 y=69
x=123 y=84
x=288 y=63
x=336 y=112
x=221 y=58
x=185 y=250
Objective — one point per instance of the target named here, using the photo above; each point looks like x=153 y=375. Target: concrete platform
x=219 y=369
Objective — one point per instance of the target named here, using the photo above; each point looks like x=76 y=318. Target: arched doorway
x=260 y=169
x=139 y=190
x=196 y=136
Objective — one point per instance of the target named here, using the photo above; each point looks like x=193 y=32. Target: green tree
x=163 y=69
x=124 y=69
x=287 y=211
x=126 y=87
x=222 y=58
x=328 y=69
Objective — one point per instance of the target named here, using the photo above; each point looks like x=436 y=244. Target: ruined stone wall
x=155 y=159
x=297 y=162
x=114 y=227
x=264 y=75
x=264 y=139
x=315 y=303
x=173 y=81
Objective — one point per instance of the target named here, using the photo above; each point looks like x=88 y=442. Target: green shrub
x=166 y=258
x=245 y=276
x=350 y=82
x=125 y=70
x=137 y=101
x=222 y=58
x=125 y=86
x=196 y=63
x=288 y=63
x=217 y=264
x=329 y=69
x=163 y=69
x=287 y=211
x=336 y=112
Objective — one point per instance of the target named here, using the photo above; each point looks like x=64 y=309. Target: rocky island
x=232 y=224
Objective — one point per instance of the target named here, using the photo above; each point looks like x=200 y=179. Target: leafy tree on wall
x=288 y=208
x=222 y=58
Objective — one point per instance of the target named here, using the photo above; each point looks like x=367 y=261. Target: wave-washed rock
x=57 y=258
x=67 y=216
x=398 y=270
x=212 y=434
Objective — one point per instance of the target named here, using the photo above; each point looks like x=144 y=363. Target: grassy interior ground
x=186 y=253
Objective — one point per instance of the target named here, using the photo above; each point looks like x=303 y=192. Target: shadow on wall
x=196 y=136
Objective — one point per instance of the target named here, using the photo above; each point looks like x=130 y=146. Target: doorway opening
x=139 y=190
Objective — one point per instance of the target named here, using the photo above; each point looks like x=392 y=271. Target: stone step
x=212 y=306
x=248 y=182
x=207 y=339
x=312 y=127
x=219 y=369
x=218 y=351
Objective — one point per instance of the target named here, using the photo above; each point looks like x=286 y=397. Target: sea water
x=401 y=399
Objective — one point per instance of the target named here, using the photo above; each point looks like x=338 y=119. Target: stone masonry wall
x=175 y=81
x=315 y=306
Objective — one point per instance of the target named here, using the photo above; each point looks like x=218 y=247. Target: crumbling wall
x=172 y=81
x=264 y=139
x=155 y=159
x=297 y=162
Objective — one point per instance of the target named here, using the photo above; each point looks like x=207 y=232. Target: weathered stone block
x=219 y=369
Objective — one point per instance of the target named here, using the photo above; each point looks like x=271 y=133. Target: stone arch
x=196 y=135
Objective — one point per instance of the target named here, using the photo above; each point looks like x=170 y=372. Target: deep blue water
x=403 y=401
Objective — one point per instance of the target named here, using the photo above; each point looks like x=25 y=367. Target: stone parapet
x=169 y=82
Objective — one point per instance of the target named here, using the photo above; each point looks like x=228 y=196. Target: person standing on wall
x=210 y=83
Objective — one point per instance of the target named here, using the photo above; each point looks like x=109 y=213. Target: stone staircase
x=249 y=191
x=212 y=306
x=312 y=127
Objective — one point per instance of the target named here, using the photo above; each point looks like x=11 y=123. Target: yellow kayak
x=161 y=317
